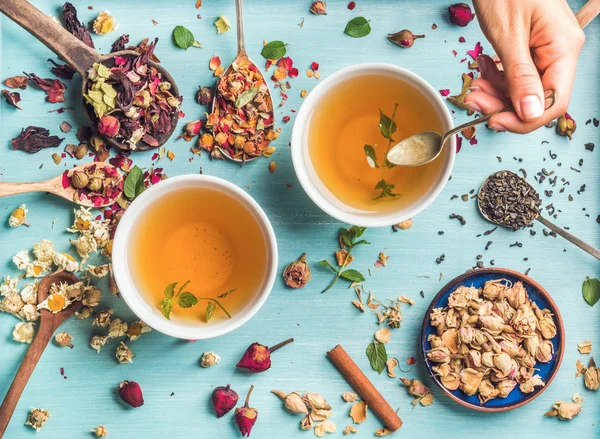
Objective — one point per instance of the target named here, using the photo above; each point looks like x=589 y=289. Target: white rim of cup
x=299 y=146
x=149 y=313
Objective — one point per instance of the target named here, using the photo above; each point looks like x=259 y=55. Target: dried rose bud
x=205 y=95
x=95 y=184
x=297 y=274
x=404 y=38
x=318 y=8
x=224 y=399
x=245 y=417
x=193 y=128
x=565 y=411
x=293 y=402
x=109 y=126
x=460 y=14
x=131 y=393
x=566 y=126
x=79 y=179
x=257 y=357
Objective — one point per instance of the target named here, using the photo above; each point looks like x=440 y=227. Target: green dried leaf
x=134 y=183
x=353 y=275
x=386 y=190
x=246 y=97
x=170 y=290
x=182 y=37
x=358 y=27
x=166 y=305
x=377 y=355
x=371 y=156
x=187 y=300
x=210 y=309
x=274 y=50
x=591 y=290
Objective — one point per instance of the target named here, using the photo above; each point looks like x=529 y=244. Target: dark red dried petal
x=33 y=139
x=445 y=92
x=12 y=98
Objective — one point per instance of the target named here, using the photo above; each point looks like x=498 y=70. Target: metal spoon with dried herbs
x=508 y=200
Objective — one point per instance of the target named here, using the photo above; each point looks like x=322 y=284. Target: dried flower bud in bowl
x=492 y=339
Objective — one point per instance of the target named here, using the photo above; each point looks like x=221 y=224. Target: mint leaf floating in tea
x=348 y=239
x=274 y=50
x=358 y=27
x=591 y=290
x=184 y=38
x=185 y=299
x=257 y=357
x=386 y=190
x=377 y=355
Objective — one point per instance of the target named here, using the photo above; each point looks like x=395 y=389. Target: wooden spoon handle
x=7 y=189
x=45 y=29
x=25 y=370
x=588 y=12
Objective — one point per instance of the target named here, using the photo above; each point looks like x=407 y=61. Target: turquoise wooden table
x=176 y=389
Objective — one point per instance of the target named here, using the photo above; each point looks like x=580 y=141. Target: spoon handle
x=25 y=370
x=239 y=18
x=52 y=34
x=569 y=237
x=7 y=189
x=549 y=96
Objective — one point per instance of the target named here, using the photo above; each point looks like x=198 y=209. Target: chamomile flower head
x=36 y=269
x=54 y=302
x=30 y=312
x=85 y=244
x=21 y=259
x=66 y=262
x=12 y=303
x=44 y=251
x=18 y=217
x=37 y=418
x=29 y=293
x=9 y=285
x=83 y=220
x=23 y=332
x=98 y=271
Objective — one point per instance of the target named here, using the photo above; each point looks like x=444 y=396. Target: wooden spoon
x=241 y=59
x=55 y=186
x=79 y=56
x=48 y=323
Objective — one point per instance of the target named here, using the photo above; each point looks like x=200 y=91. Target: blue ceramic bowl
x=540 y=296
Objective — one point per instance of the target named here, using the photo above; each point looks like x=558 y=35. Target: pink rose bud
x=257 y=357
x=245 y=417
x=108 y=126
x=131 y=393
x=461 y=14
x=224 y=399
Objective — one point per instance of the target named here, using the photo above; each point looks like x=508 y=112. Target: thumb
x=523 y=81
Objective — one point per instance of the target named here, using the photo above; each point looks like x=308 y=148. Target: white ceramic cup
x=149 y=312
x=309 y=178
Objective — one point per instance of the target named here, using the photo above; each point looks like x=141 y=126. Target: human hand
x=538 y=42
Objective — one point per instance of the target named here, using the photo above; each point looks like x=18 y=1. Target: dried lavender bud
x=33 y=139
x=404 y=38
x=73 y=25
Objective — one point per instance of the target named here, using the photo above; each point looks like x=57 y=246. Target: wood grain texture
x=317 y=321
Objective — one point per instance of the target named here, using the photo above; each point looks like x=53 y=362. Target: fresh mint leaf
x=210 y=309
x=377 y=355
x=186 y=300
x=132 y=183
x=591 y=290
x=327 y=264
x=361 y=242
x=353 y=275
x=182 y=287
x=170 y=290
x=371 y=156
x=358 y=27
x=166 y=305
x=183 y=37
x=357 y=231
x=274 y=50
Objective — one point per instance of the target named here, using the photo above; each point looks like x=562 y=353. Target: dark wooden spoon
x=48 y=323
x=80 y=57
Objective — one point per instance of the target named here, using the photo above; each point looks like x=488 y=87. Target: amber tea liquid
x=348 y=118
x=205 y=236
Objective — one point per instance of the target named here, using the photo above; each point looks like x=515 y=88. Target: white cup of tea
x=339 y=118
x=193 y=228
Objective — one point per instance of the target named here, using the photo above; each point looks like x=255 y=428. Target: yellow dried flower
x=209 y=359
x=100 y=431
x=18 y=217
x=37 y=418
x=124 y=354
x=104 y=23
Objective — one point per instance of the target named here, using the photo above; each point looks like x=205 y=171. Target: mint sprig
x=185 y=299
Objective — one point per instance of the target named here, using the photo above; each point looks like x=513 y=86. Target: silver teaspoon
x=422 y=148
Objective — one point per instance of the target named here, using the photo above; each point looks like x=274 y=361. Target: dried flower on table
x=104 y=23
x=37 y=418
x=18 y=217
x=33 y=139
x=324 y=427
x=131 y=393
x=136 y=329
x=584 y=347
x=349 y=429
x=382 y=260
x=417 y=389
x=54 y=88
x=23 y=332
x=205 y=95
x=245 y=417
x=117 y=328
x=404 y=38
x=293 y=402
x=297 y=273
x=257 y=357
x=382 y=335
x=209 y=359
x=318 y=8
x=83 y=313
x=98 y=271
x=97 y=341
x=591 y=374
x=64 y=339
x=73 y=25
x=64 y=71
x=460 y=14
x=383 y=432
x=564 y=411
x=349 y=396
x=358 y=412
x=459 y=100
x=224 y=399
x=124 y=354
x=222 y=24
x=20 y=82
x=566 y=126
x=100 y=431
x=12 y=98
x=390 y=365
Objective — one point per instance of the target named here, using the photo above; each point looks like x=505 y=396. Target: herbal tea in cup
x=194 y=257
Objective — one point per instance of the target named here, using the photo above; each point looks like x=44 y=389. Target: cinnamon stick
x=365 y=389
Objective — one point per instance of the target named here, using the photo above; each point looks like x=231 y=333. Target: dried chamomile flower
x=293 y=402
x=97 y=341
x=29 y=293
x=36 y=269
x=84 y=312
x=564 y=411
x=417 y=389
x=349 y=429
x=91 y=296
x=584 y=347
x=9 y=285
x=37 y=418
x=104 y=23
x=44 y=251
x=85 y=244
x=18 y=217
x=23 y=332
x=136 y=329
x=54 y=302
x=324 y=427
x=117 y=328
x=382 y=335
x=100 y=431
x=21 y=260
x=404 y=299
x=30 y=312
x=102 y=318
x=83 y=220
x=64 y=339
x=98 y=270
x=209 y=359
x=404 y=225
x=349 y=396
x=65 y=261
x=124 y=354
x=358 y=412
x=12 y=303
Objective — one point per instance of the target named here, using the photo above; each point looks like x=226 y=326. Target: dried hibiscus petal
x=63 y=71
x=33 y=139
x=54 y=88
x=120 y=43
x=12 y=98
x=76 y=27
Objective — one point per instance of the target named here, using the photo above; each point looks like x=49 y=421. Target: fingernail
x=497 y=127
x=531 y=107
x=473 y=106
x=474 y=88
